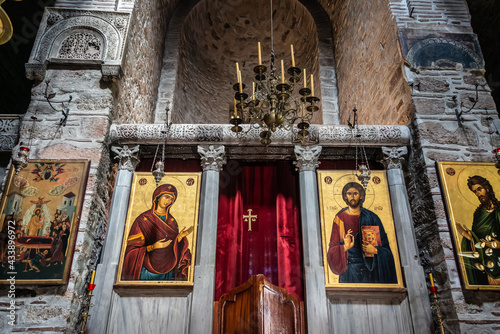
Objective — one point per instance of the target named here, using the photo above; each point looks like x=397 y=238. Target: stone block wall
x=369 y=63
x=58 y=308
x=440 y=87
x=136 y=92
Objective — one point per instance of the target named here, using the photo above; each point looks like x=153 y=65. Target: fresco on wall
x=474 y=216
x=359 y=241
x=159 y=243
x=440 y=50
x=40 y=214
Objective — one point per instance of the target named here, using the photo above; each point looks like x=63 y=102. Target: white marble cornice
x=325 y=135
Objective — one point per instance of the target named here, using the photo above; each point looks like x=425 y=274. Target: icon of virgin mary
x=155 y=249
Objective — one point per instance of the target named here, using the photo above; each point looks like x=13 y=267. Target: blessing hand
x=348 y=240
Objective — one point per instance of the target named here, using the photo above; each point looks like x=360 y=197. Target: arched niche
x=206 y=39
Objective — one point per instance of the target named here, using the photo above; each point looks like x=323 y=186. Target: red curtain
x=271 y=243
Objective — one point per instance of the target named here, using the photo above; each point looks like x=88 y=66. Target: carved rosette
x=128 y=157
x=394 y=157
x=212 y=157
x=307 y=157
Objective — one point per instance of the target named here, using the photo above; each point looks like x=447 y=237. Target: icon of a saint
x=359 y=249
x=156 y=249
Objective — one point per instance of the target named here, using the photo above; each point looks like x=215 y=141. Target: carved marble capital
x=212 y=157
x=394 y=157
x=307 y=157
x=128 y=157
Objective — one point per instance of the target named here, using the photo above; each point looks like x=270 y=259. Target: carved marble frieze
x=120 y=5
x=80 y=38
x=325 y=135
x=9 y=131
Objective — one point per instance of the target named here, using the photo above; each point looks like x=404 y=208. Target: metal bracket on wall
x=474 y=101
x=65 y=108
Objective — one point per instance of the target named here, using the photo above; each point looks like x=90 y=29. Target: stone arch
x=170 y=67
x=52 y=38
x=106 y=31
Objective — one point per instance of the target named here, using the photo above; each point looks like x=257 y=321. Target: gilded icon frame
x=330 y=185
x=461 y=206
x=44 y=203
x=184 y=210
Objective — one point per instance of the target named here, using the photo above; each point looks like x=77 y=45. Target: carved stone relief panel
x=90 y=37
x=81 y=45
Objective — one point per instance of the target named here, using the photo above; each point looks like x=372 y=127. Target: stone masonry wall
x=369 y=63
x=136 y=93
x=57 y=308
x=438 y=89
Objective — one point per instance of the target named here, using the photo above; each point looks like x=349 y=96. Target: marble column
x=106 y=270
x=201 y=318
x=418 y=296
x=315 y=298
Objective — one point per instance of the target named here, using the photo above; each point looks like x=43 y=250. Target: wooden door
x=258 y=307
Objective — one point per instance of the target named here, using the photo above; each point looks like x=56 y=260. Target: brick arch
x=171 y=61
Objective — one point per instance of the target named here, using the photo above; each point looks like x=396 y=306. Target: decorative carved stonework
x=394 y=157
x=307 y=158
x=128 y=157
x=9 y=129
x=212 y=157
x=65 y=35
x=328 y=135
x=110 y=72
x=81 y=45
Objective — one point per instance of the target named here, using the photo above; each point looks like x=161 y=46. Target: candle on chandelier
x=431 y=279
x=305 y=79
x=241 y=84
x=237 y=73
x=235 y=113
x=303 y=112
x=253 y=91
x=312 y=85
x=260 y=54
x=92 y=278
x=293 y=57
x=282 y=71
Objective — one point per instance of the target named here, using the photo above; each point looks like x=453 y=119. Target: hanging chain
x=366 y=158
x=356 y=157
x=272 y=39
x=34 y=118
x=154 y=159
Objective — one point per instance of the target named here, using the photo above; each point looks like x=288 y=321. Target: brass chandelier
x=271 y=105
